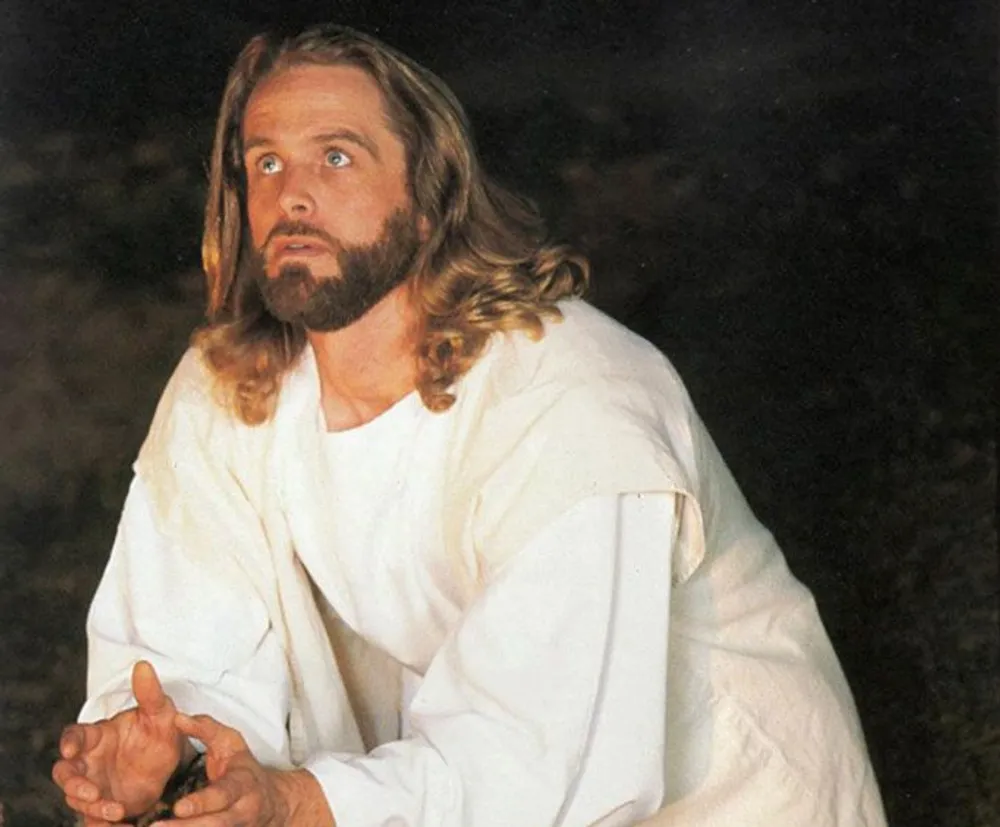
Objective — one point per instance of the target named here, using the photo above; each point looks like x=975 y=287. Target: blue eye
x=336 y=158
x=269 y=165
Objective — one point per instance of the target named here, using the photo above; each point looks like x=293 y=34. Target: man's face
x=330 y=216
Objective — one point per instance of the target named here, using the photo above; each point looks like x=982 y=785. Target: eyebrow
x=349 y=135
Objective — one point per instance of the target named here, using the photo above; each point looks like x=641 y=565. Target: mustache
x=299 y=228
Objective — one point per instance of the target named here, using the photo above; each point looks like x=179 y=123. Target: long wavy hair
x=486 y=265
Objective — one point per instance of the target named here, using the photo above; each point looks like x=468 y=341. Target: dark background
x=795 y=200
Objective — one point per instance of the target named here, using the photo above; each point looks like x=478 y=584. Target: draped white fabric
x=591 y=625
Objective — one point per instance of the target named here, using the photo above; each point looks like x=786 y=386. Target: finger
x=64 y=771
x=71 y=741
x=148 y=690
x=219 y=739
x=216 y=798
x=70 y=778
x=103 y=810
x=79 y=738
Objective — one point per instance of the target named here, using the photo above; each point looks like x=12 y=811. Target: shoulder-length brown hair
x=485 y=267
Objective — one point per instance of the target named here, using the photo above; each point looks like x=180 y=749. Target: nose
x=296 y=198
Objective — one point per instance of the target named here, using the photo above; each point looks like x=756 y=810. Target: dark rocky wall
x=801 y=216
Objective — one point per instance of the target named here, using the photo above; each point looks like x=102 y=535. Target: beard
x=368 y=273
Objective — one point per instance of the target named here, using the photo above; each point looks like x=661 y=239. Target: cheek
x=258 y=217
x=361 y=212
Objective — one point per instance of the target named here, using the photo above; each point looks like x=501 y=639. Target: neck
x=368 y=366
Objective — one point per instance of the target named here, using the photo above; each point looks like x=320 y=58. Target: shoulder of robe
x=590 y=409
x=187 y=415
x=191 y=428
x=196 y=464
x=587 y=385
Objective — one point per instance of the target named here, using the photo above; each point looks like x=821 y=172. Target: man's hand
x=117 y=768
x=242 y=791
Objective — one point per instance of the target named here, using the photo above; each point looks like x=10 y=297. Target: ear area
x=424 y=227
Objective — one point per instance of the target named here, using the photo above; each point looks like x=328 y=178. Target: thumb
x=220 y=741
x=148 y=690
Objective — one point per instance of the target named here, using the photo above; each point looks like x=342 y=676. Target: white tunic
x=540 y=697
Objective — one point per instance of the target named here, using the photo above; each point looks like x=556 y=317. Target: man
x=545 y=600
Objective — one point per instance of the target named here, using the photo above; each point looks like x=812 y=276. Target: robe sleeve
x=204 y=630
x=546 y=706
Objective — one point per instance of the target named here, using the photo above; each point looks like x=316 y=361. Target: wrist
x=301 y=801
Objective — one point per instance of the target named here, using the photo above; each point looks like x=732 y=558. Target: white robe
x=534 y=632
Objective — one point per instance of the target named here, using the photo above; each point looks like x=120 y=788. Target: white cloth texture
x=559 y=574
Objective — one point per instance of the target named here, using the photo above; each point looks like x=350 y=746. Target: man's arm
x=197 y=621
x=203 y=632
x=546 y=707
x=547 y=704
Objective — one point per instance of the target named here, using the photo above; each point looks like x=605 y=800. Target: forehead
x=312 y=97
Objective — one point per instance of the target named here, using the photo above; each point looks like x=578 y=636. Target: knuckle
x=204 y=801
x=76 y=788
x=228 y=792
x=246 y=805
x=223 y=786
x=187 y=807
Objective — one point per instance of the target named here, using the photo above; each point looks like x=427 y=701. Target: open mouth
x=299 y=248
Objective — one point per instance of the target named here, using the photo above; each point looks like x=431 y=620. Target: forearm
x=560 y=723
x=302 y=799
x=208 y=637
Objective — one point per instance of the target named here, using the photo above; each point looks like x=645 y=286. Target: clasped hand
x=116 y=769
